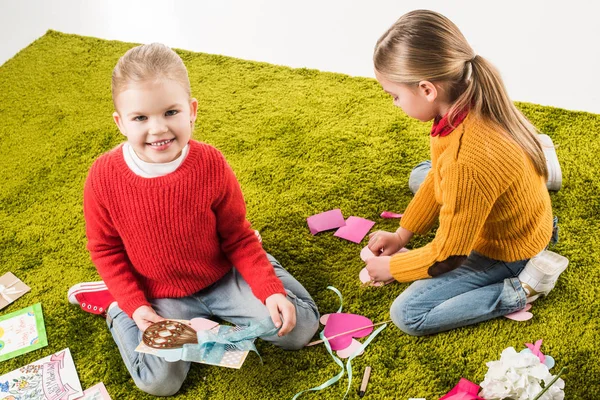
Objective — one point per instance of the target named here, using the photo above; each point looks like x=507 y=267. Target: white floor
x=547 y=51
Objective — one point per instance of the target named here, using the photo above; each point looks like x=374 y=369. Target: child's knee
x=408 y=322
x=164 y=385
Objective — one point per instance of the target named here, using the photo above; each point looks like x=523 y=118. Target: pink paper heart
x=521 y=315
x=338 y=323
x=347 y=352
x=202 y=324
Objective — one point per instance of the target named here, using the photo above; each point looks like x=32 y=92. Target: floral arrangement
x=516 y=376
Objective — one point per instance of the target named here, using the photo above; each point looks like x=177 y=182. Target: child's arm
x=238 y=241
x=423 y=210
x=108 y=253
x=465 y=208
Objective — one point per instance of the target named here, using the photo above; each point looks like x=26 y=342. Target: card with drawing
x=22 y=331
x=50 y=378
x=11 y=288
x=96 y=392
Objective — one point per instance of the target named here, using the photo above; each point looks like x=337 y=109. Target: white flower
x=519 y=376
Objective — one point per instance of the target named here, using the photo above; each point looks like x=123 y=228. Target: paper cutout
x=11 y=288
x=464 y=390
x=325 y=221
x=51 y=378
x=338 y=323
x=535 y=349
x=96 y=392
x=232 y=358
x=22 y=331
x=521 y=315
x=363 y=275
x=389 y=214
x=355 y=230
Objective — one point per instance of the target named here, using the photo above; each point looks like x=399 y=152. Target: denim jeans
x=480 y=289
x=229 y=299
x=417 y=175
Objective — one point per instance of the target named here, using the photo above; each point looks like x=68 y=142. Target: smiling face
x=157 y=117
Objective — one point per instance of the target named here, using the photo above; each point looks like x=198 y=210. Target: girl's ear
x=428 y=91
x=193 y=109
x=119 y=122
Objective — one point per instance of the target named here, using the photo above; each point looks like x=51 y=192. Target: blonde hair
x=425 y=45
x=148 y=62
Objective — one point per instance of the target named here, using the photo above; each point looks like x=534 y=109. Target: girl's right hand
x=144 y=316
x=383 y=243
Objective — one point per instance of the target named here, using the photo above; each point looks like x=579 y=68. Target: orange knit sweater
x=487 y=196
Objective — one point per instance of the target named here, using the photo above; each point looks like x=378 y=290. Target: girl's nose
x=158 y=127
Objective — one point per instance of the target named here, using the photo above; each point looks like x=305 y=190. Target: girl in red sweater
x=167 y=230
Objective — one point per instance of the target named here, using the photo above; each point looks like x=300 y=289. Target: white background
x=547 y=51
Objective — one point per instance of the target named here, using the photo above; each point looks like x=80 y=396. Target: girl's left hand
x=379 y=268
x=279 y=304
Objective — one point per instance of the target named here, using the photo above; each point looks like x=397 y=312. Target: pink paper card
x=325 y=221
x=389 y=214
x=11 y=288
x=355 y=230
x=96 y=392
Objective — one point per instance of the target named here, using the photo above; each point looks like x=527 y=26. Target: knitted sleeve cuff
x=130 y=305
x=263 y=292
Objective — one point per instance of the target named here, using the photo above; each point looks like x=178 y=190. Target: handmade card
x=22 y=331
x=232 y=357
x=96 y=392
x=11 y=288
x=325 y=221
x=51 y=378
x=355 y=229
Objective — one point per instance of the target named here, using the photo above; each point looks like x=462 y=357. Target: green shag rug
x=301 y=142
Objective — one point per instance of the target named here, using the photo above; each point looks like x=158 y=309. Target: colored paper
x=355 y=230
x=464 y=390
x=11 y=288
x=51 y=378
x=96 y=392
x=338 y=323
x=366 y=279
x=521 y=315
x=389 y=214
x=535 y=349
x=22 y=331
x=325 y=221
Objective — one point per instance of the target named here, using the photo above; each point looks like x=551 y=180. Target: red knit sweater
x=173 y=235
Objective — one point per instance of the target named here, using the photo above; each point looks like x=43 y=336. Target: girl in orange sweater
x=486 y=187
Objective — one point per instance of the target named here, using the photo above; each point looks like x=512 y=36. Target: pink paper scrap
x=389 y=214
x=464 y=390
x=325 y=221
x=355 y=230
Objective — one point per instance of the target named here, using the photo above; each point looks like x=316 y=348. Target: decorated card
x=22 y=331
x=96 y=392
x=231 y=358
x=11 y=288
x=51 y=378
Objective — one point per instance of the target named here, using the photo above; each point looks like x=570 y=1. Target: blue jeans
x=417 y=175
x=229 y=299
x=480 y=289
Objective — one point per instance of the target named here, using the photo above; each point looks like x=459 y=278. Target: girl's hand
x=279 y=304
x=144 y=316
x=383 y=243
x=379 y=268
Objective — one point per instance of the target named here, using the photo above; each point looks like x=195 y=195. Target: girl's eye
x=171 y=113
x=140 y=118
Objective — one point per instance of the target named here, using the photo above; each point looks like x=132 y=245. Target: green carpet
x=301 y=142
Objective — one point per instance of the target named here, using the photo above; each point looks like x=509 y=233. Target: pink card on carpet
x=325 y=221
x=355 y=230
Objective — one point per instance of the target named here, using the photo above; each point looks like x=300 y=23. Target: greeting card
x=22 y=331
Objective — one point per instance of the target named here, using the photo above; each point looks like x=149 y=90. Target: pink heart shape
x=347 y=352
x=338 y=323
x=521 y=315
x=202 y=324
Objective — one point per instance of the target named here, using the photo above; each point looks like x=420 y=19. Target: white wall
x=547 y=51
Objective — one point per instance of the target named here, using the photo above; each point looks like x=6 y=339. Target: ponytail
x=425 y=45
